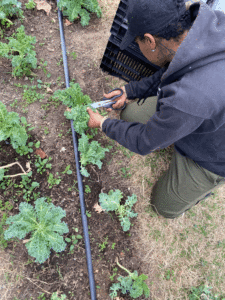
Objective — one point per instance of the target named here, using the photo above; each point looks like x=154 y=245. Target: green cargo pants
x=185 y=183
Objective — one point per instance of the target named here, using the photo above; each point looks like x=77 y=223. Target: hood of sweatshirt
x=204 y=43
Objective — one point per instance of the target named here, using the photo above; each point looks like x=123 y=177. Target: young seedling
x=42 y=165
x=113 y=246
x=30 y=5
x=67 y=170
x=114 y=274
x=27 y=187
x=103 y=245
x=52 y=181
x=74 y=239
x=132 y=284
x=111 y=202
x=87 y=189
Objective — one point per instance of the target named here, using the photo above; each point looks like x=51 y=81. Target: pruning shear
x=107 y=103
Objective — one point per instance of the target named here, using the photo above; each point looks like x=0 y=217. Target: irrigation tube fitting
x=79 y=177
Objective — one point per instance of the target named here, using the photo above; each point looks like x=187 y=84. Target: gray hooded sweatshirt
x=190 y=110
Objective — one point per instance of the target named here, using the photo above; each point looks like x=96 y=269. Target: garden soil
x=65 y=272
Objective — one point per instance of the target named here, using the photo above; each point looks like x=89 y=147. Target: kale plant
x=111 y=202
x=9 y=8
x=75 y=8
x=20 y=51
x=132 y=284
x=10 y=127
x=90 y=153
x=80 y=118
x=44 y=224
x=203 y=292
x=72 y=96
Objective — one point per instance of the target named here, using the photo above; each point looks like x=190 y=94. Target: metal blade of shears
x=101 y=103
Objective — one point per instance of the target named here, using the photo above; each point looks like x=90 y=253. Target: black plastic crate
x=129 y=64
x=119 y=26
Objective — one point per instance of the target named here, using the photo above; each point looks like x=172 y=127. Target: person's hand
x=95 y=118
x=119 y=101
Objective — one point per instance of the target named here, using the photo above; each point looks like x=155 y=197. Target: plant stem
x=123 y=267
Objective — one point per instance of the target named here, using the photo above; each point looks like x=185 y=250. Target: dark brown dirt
x=63 y=272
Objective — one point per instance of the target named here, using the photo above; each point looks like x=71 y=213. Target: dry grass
x=10 y=276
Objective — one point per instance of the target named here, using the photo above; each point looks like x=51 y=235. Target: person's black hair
x=174 y=30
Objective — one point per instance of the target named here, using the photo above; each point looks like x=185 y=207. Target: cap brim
x=127 y=40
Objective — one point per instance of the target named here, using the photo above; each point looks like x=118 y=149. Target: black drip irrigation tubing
x=79 y=177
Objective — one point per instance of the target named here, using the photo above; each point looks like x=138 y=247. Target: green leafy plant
x=103 y=245
x=20 y=51
x=113 y=246
x=111 y=202
x=52 y=181
x=74 y=55
x=90 y=153
x=203 y=292
x=114 y=274
x=30 y=4
x=67 y=170
x=74 y=9
x=42 y=165
x=3 y=242
x=11 y=127
x=4 y=208
x=88 y=214
x=132 y=284
x=37 y=145
x=56 y=297
x=44 y=223
x=9 y=8
x=80 y=118
x=27 y=187
x=72 y=96
x=2 y=172
x=74 y=239
x=30 y=95
x=87 y=189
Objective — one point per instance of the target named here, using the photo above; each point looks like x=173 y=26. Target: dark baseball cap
x=150 y=16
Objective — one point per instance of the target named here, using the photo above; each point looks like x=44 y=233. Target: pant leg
x=182 y=186
x=139 y=113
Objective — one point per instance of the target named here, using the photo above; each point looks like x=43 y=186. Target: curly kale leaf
x=20 y=51
x=90 y=153
x=114 y=288
x=9 y=8
x=111 y=202
x=10 y=127
x=80 y=118
x=133 y=284
x=73 y=9
x=125 y=283
x=72 y=96
x=44 y=223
